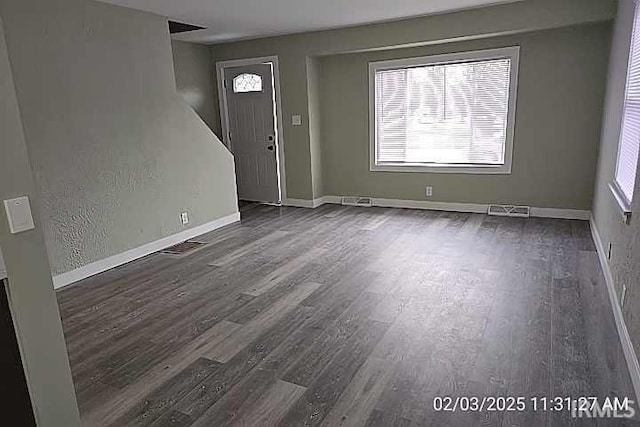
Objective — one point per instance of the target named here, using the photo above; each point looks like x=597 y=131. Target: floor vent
x=506 y=210
x=357 y=201
x=182 y=248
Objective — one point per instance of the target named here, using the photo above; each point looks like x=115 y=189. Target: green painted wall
x=32 y=300
x=559 y=107
x=294 y=50
x=625 y=238
x=195 y=81
x=314 y=92
x=117 y=154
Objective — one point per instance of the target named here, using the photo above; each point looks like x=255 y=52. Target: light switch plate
x=296 y=120
x=19 y=214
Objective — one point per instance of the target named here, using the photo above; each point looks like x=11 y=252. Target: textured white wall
x=116 y=153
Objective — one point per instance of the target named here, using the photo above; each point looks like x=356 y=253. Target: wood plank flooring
x=345 y=316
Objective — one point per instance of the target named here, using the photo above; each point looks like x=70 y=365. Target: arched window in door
x=243 y=83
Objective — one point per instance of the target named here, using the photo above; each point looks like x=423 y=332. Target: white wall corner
x=298 y=203
x=326 y=200
x=623 y=333
x=105 y=264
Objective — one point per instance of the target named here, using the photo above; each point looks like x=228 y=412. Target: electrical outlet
x=609 y=250
x=429 y=191
x=184 y=218
x=624 y=294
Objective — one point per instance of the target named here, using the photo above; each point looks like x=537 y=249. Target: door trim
x=224 y=113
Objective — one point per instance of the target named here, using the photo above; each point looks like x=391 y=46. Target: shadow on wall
x=195 y=81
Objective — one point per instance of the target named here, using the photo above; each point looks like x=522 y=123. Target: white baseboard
x=298 y=203
x=334 y=200
x=306 y=203
x=105 y=264
x=441 y=206
x=623 y=333
x=561 y=213
x=436 y=206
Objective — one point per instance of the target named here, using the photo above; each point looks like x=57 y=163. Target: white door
x=252 y=131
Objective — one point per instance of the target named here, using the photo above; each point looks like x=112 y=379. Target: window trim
x=621 y=201
x=512 y=53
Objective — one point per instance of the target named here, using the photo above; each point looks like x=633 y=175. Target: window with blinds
x=627 y=163
x=451 y=113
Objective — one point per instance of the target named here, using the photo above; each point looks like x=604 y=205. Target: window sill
x=444 y=168
x=621 y=201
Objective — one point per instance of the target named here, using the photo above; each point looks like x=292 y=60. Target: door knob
x=271 y=138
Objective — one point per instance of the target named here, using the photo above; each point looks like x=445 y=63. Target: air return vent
x=506 y=210
x=357 y=201
x=182 y=248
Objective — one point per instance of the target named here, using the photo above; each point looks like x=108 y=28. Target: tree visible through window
x=247 y=83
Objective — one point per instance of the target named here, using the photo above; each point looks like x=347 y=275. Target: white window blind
x=629 y=145
x=450 y=114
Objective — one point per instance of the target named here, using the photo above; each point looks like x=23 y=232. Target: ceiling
x=229 y=20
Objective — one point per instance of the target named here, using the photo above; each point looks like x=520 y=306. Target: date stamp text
x=578 y=407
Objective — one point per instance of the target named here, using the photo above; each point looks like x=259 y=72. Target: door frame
x=224 y=112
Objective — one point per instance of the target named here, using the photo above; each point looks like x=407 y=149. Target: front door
x=252 y=131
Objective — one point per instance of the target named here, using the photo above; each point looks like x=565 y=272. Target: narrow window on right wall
x=627 y=163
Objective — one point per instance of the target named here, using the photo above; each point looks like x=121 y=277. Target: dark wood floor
x=347 y=316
